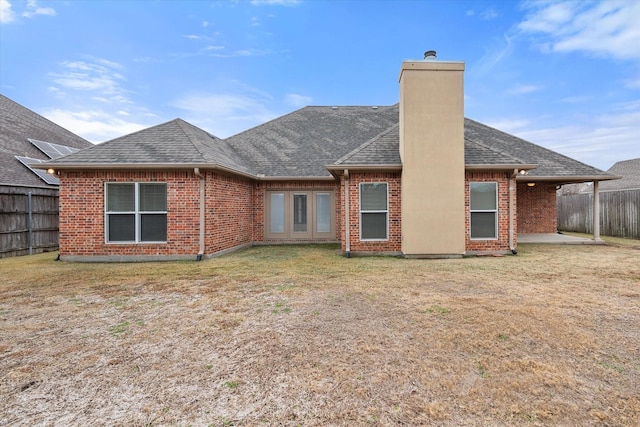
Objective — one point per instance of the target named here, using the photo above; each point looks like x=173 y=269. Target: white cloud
x=34 y=9
x=599 y=141
x=100 y=76
x=275 y=2
x=94 y=125
x=6 y=12
x=606 y=29
x=523 y=89
x=296 y=100
x=488 y=14
x=225 y=114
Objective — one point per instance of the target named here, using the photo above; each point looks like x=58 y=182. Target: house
x=29 y=196
x=416 y=178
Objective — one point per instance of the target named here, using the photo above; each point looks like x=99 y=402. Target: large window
x=374 y=211
x=136 y=212
x=484 y=210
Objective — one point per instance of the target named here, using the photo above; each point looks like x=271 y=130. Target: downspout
x=346 y=215
x=512 y=183
x=596 y=211
x=196 y=171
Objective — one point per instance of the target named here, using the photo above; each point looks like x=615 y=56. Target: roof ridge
x=203 y=149
x=502 y=153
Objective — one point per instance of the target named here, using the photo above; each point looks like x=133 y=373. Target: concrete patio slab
x=556 y=239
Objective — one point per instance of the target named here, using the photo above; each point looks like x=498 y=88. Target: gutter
x=196 y=171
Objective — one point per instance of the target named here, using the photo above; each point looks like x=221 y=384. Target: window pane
x=153 y=197
x=153 y=228
x=276 y=224
x=483 y=225
x=122 y=228
x=120 y=197
x=373 y=197
x=374 y=226
x=483 y=196
x=323 y=213
x=300 y=212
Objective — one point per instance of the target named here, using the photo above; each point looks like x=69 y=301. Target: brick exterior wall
x=228 y=212
x=500 y=244
x=537 y=208
x=235 y=213
x=394 y=243
x=82 y=231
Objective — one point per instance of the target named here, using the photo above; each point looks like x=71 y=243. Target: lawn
x=297 y=335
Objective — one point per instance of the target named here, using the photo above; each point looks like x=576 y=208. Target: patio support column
x=596 y=211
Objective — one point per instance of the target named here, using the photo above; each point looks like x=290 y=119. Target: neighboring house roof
x=18 y=126
x=307 y=142
x=629 y=170
x=172 y=144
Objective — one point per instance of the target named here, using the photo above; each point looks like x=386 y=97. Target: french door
x=304 y=215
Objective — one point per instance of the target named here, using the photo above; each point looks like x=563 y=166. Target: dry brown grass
x=300 y=336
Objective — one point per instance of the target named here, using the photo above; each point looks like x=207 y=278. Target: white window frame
x=385 y=211
x=137 y=213
x=494 y=211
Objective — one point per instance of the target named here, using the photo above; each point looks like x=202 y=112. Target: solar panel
x=46 y=177
x=53 y=151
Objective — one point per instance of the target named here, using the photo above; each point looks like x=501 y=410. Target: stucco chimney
x=432 y=153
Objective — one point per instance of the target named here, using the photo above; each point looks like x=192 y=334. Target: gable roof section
x=172 y=144
x=18 y=124
x=302 y=143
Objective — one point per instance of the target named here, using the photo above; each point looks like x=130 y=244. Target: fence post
x=30 y=221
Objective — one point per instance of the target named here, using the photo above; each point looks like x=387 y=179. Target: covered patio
x=556 y=239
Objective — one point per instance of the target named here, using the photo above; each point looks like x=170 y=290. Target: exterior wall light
x=523 y=172
x=531 y=184
x=51 y=171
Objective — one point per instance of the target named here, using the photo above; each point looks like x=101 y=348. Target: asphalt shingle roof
x=304 y=142
x=18 y=124
x=172 y=143
x=629 y=170
x=550 y=163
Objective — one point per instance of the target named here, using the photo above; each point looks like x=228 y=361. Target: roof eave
x=141 y=166
x=294 y=178
x=519 y=166
x=379 y=167
x=566 y=179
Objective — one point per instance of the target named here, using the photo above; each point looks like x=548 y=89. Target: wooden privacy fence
x=28 y=220
x=619 y=213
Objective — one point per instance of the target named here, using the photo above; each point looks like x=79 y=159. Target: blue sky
x=565 y=75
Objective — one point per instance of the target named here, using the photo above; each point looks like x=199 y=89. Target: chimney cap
x=430 y=55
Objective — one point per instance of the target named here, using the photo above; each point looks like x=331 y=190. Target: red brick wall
x=228 y=212
x=258 y=202
x=537 y=208
x=394 y=243
x=82 y=230
x=502 y=242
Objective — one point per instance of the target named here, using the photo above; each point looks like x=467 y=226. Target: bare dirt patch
x=300 y=336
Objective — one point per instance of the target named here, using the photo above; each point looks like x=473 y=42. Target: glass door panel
x=300 y=213
x=276 y=223
x=323 y=212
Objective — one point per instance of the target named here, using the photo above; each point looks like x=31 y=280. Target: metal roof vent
x=430 y=55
